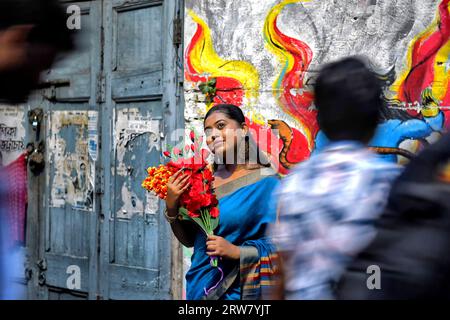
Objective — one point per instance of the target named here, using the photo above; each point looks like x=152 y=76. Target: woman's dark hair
x=349 y=100
x=230 y=110
x=252 y=150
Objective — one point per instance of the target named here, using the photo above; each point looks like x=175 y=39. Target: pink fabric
x=14 y=177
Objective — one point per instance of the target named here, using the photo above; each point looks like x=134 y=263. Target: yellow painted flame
x=205 y=60
x=440 y=83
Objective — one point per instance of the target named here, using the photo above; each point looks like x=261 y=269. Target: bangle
x=169 y=218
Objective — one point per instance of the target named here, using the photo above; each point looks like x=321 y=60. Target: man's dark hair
x=47 y=16
x=349 y=99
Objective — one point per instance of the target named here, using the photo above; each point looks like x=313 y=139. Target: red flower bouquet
x=198 y=203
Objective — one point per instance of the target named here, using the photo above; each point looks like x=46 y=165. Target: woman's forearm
x=184 y=231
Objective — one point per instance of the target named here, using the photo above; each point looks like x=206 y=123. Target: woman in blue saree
x=243 y=183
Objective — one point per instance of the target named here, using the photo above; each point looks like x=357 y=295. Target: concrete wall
x=263 y=55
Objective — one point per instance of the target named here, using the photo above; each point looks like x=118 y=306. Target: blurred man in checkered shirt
x=328 y=204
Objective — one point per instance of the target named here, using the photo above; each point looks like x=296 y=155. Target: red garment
x=14 y=178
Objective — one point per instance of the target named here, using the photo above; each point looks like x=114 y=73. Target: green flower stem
x=203 y=220
x=215 y=262
x=209 y=221
x=206 y=221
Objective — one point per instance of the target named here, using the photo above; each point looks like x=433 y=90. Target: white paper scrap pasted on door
x=12 y=133
x=72 y=172
x=136 y=136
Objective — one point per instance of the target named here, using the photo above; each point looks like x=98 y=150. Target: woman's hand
x=218 y=246
x=178 y=183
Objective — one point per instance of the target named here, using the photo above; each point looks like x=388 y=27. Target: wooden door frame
x=173 y=102
x=175 y=114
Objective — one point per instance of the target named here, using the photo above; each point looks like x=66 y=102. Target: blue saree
x=246 y=208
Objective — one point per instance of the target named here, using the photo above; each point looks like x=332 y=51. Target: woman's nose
x=210 y=138
x=214 y=135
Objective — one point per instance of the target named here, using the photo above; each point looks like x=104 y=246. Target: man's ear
x=13 y=47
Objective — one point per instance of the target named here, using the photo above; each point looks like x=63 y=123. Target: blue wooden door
x=136 y=241
x=68 y=220
x=107 y=112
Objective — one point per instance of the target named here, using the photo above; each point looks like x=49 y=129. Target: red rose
x=192 y=135
x=205 y=200
x=166 y=153
x=193 y=206
x=193 y=199
x=208 y=176
x=193 y=163
x=193 y=214
x=197 y=186
x=189 y=203
x=214 y=201
x=214 y=212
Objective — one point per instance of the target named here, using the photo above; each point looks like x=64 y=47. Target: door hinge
x=177 y=31
x=100 y=181
x=42 y=265
x=101 y=87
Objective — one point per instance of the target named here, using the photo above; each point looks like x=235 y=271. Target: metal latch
x=51 y=85
x=36 y=158
x=35 y=117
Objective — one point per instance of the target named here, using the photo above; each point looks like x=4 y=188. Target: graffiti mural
x=295 y=57
x=420 y=91
x=233 y=79
x=264 y=55
x=237 y=82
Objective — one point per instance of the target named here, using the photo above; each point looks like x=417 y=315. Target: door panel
x=137 y=35
x=73 y=76
x=70 y=218
x=133 y=233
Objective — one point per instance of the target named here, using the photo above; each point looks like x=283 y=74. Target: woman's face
x=222 y=135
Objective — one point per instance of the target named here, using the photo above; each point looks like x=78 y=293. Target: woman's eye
x=221 y=125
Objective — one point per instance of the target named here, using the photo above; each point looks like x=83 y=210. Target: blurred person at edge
x=328 y=205
x=33 y=33
x=410 y=250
